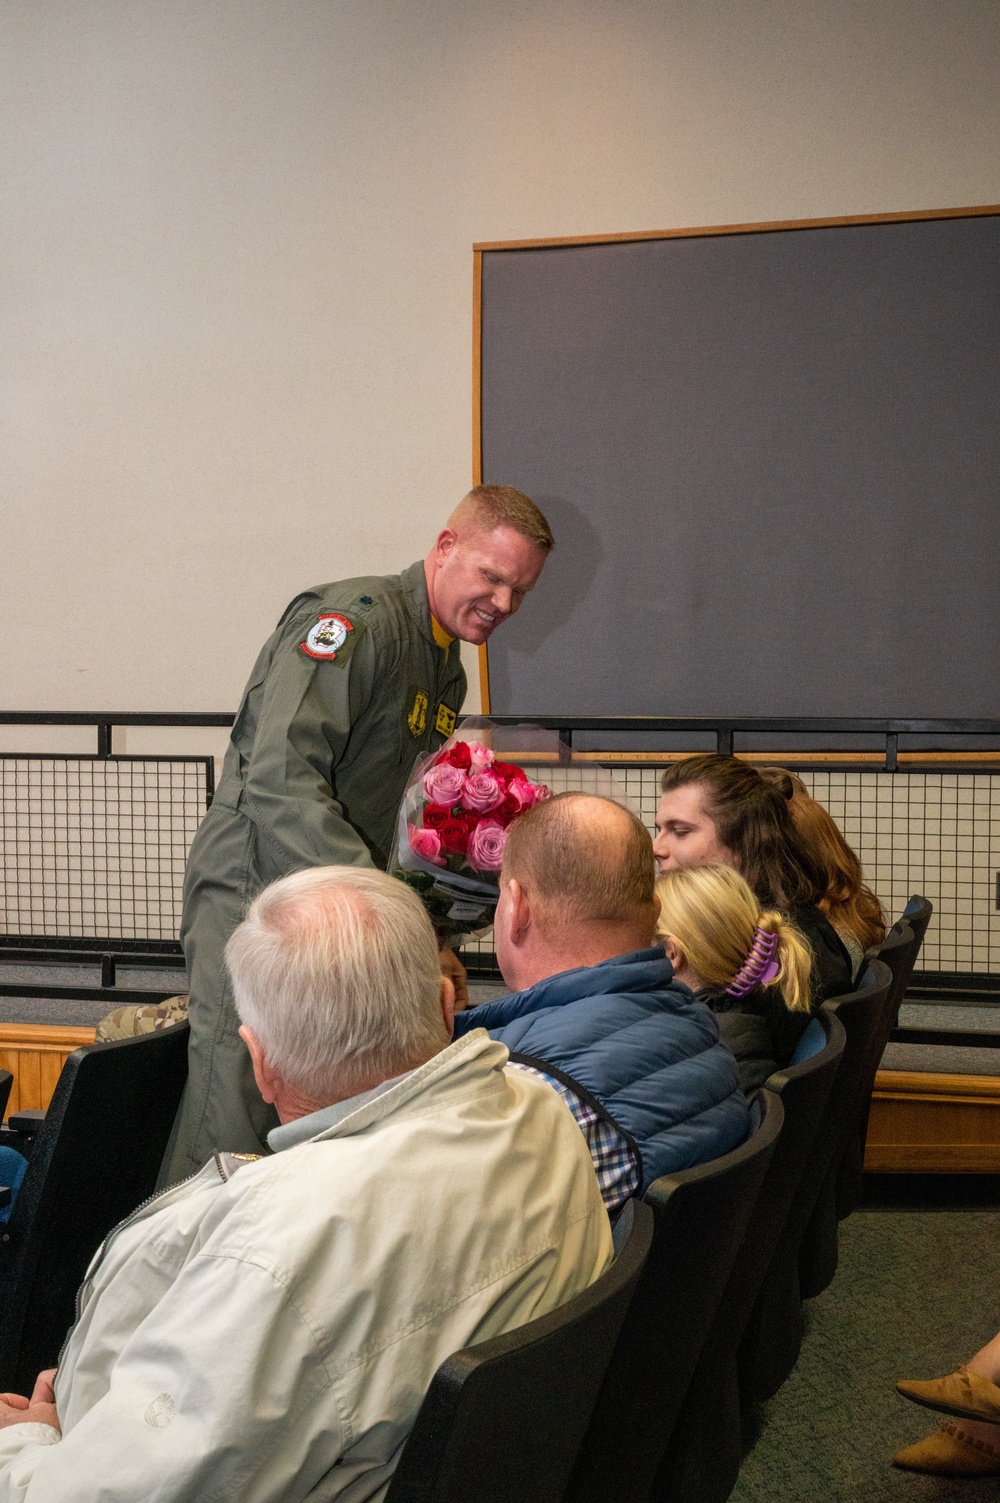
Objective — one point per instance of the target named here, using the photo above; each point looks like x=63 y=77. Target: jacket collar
x=466 y=1064
x=638 y=971
x=414 y=585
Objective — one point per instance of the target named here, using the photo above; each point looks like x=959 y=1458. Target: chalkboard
x=771 y=459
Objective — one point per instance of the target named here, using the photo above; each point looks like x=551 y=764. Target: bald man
x=594 y=1007
x=358 y=678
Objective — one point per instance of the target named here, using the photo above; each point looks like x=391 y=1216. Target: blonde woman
x=750 y=965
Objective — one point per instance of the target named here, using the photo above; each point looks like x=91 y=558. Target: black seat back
x=898 y=953
x=771 y=1344
x=705 y=1452
x=866 y=1015
x=701 y=1218
x=95 y=1158
x=917 y=914
x=6 y=1081
x=502 y=1422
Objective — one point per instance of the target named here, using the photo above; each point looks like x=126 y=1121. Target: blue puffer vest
x=638 y=1043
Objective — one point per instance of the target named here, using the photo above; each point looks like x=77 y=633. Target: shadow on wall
x=567 y=576
x=566 y=582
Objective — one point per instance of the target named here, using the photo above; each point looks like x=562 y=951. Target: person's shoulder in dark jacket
x=832 y=972
x=747 y=1034
x=640 y=1045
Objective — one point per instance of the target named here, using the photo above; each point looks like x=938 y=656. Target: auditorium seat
x=771 y=1344
x=917 y=914
x=703 y=1460
x=865 y=1014
x=95 y=1157
x=898 y=954
x=502 y=1421
x=701 y=1218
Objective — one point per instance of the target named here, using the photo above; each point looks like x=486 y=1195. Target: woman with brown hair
x=851 y=906
x=717 y=810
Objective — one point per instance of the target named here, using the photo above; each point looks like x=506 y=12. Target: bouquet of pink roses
x=452 y=829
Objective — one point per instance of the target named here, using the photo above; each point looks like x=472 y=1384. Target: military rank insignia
x=417 y=718
x=327 y=636
x=445 y=722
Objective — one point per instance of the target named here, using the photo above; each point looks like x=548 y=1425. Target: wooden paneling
x=35 y=1055
x=934 y=1124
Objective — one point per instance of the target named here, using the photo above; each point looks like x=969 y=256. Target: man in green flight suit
x=358 y=678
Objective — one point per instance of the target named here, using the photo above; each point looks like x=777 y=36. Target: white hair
x=336 y=971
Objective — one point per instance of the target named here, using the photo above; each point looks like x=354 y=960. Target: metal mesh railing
x=936 y=833
x=96 y=847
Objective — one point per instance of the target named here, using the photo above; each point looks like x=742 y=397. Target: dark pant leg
x=221 y=1107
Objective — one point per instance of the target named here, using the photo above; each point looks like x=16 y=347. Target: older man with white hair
x=266 y=1330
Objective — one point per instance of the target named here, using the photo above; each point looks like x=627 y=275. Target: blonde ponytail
x=794 y=959
x=715 y=918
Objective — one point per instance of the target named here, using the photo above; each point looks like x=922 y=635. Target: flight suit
x=347 y=692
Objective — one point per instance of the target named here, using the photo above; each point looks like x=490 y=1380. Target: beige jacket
x=270 y=1338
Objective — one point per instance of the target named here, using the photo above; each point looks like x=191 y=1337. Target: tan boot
x=949 y=1452
x=964 y=1393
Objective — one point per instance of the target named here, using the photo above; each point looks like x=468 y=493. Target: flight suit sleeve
x=307 y=713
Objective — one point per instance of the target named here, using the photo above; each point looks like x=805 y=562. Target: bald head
x=576 y=888
x=585 y=859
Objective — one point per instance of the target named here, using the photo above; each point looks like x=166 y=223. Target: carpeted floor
x=915 y=1294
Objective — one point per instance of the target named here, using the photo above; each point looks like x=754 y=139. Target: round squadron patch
x=327 y=637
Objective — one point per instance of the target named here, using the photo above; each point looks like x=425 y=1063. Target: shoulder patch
x=327 y=636
x=445 y=722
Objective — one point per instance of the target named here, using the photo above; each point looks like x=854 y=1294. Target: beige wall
x=235 y=253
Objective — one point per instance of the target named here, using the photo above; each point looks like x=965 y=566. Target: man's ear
x=448 y=1004
x=262 y=1072
x=520 y=915
x=657 y=906
x=445 y=544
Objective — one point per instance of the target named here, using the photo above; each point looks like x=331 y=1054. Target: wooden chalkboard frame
x=767 y=226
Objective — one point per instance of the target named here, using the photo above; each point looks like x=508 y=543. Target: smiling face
x=685 y=835
x=476 y=579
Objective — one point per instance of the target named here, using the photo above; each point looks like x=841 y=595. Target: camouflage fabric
x=146 y=1017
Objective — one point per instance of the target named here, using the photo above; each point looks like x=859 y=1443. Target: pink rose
x=486 y=845
x=482 y=756
x=520 y=795
x=426 y=844
x=482 y=792
x=523 y=795
x=443 y=784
